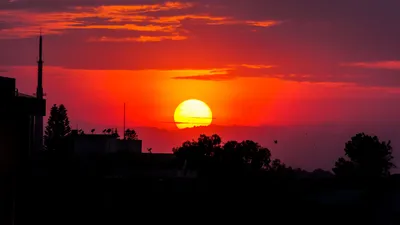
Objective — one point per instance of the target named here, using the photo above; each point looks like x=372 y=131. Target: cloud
x=389 y=65
x=179 y=18
x=257 y=66
x=309 y=40
x=229 y=73
x=25 y=22
x=108 y=17
x=267 y=23
x=254 y=71
x=142 y=38
x=206 y=77
x=339 y=77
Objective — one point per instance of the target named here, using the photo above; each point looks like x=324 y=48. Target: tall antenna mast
x=39 y=95
x=124 y=122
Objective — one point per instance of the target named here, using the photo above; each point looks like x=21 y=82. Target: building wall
x=14 y=141
x=7 y=87
x=14 y=153
x=133 y=146
x=87 y=145
x=100 y=144
x=16 y=131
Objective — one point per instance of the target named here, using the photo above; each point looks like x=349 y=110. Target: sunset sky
x=256 y=63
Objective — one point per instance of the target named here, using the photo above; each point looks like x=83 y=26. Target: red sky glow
x=256 y=63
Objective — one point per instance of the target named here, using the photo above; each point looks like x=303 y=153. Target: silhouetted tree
x=344 y=168
x=115 y=133
x=279 y=170
x=57 y=127
x=64 y=120
x=207 y=152
x=258 y=157
x=365 y=156
x=277 y=166
x=130 y=134
x=51 y=128
x=197 y=154
x=92 y=131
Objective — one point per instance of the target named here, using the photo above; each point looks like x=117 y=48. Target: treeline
x=58 y=127
x=365 y=157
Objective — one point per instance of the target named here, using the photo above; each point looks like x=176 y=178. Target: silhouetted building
x=133 y=146
x=150 y=165
x=17 y=113
x=100 y=144
x=39 y=96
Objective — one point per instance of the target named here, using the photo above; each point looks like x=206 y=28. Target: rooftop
x=98 y=136
x=8 y=86
x=11 y=101
x=18 y=94
x=77 y=134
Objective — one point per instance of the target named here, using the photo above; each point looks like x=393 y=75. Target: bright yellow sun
x=192 y=113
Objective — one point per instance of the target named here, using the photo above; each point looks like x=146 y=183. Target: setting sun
x=192 y=113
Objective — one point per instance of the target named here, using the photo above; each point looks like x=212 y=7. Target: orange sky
x=268 y=69
x=151 y=96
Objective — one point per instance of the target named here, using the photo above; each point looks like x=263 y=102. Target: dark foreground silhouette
x=204 y=181
x=129 y=188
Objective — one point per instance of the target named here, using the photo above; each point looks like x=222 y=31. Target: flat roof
x=6 y=79
x=94 y=136
x=25 y=95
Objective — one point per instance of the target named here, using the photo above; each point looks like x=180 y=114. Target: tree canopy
x=58 y=126
x=365 y=156
x=130 y=134
x=208 y=151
